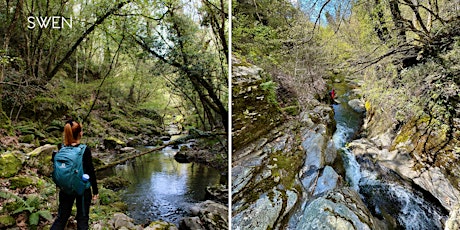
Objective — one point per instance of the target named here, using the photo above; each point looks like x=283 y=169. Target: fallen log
x=111 y=164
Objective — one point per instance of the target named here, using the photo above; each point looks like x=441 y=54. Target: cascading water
x=396 y=205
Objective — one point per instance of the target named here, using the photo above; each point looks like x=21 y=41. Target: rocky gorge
x=326 y=169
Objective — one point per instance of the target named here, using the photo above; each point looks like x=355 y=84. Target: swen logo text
x=52 y=22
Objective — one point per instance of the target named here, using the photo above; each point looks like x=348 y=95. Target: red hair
x=72 y=130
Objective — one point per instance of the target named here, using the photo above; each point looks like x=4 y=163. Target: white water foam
x=342 y=135
x=352 y=169
x=415 y=213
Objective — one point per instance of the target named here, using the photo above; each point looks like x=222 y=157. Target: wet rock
x=357 y=105
x=181 y=157
x=190 y=223
x=120 y=220
x=327 y=181
x=10 y=163
x=338 y=209
x=208 y=215
x=40 y=158
x=431 y=179
x=218 y=193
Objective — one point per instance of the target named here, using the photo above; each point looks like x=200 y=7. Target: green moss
x=28 y=138
x=7 y=221
x=291 y=110
x=20 y=182
x=10 y=165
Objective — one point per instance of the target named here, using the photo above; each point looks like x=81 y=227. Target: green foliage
x=32 y=205
x=270 y=88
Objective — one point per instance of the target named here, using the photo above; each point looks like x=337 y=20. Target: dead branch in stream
x=111 y=164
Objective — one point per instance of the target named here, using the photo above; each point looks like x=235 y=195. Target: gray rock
x=338 y=209
x=209 y=215
x=327 y=181
x=127 y=149
x=191 y=223
x=357 y=105
x=120 y=220
x=40 y=158
x=260 y=215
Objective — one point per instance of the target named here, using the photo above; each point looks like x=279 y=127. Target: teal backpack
x=68 y=170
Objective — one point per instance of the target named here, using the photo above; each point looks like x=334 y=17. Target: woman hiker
x=72 y=136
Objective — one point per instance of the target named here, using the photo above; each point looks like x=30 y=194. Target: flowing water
x=162 y=188
x=396 y=204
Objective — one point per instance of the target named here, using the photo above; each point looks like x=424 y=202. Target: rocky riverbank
x=290 y=170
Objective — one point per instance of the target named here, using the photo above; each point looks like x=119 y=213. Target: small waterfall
x=396 y=205
x=352 y=168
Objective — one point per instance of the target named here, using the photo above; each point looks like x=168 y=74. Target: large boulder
x=218 y=193
x=120 y=220
x=357 y=105
x=338 y=209
x=10 y=163
x=113 y=143
x=40 y=158
x=207 y=215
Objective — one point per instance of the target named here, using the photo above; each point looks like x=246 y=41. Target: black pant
x=65 y=208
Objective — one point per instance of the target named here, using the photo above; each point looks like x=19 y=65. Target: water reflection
x=163 y=188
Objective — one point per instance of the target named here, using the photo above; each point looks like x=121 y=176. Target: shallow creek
x=162 y=188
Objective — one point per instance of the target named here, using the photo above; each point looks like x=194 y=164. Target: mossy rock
x=28 y=138
x=40 y=158
x=161 y=225
x=119 y=206
x=97 y=162
x=10 y=164
x=6 y=221
x=291 y=110
x=113 y=142
x=107 y=196
x=115 y=182
x=20 y=182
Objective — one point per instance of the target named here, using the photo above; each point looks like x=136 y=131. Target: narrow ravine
x=393 y=201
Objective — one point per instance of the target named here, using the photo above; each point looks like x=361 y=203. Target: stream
x=162 y=188
x=394 y=202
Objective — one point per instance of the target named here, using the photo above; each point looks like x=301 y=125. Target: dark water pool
x=162 y=188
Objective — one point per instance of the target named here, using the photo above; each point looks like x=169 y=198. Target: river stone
x=312 y=145
x=161 y=225
x=40 y=158
x=338 y=209
x=120 y=220
x=209 y=215
x=262 y=214
x=357 y=105
x=10 y=163
x=327 y=181
x=330 y=153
